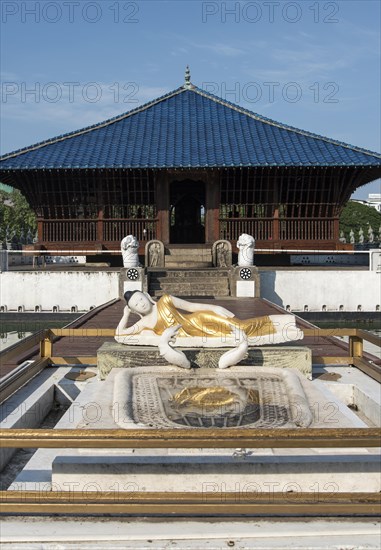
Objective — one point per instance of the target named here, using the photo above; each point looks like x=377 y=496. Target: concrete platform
x=51 y=533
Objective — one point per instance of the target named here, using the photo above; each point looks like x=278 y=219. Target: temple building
x=189 y=168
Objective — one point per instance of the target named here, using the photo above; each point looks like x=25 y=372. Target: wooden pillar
x=100 y=237
x=276 y=224
x=336 y=230
x=162 y=204
x=212 y=214
x=40 y=230
x=276 y=232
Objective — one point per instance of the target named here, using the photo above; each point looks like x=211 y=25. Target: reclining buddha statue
x=190 y=324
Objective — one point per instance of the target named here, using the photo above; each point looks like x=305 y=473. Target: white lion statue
x=129 y=247
x=245 y=246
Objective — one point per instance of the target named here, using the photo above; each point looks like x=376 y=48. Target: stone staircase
x=179 y=256
x=188 y=282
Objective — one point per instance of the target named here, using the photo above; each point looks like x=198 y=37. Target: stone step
x=188 y=258
x=182 y=274
x=157 y=285
x=190 y=290
x=186 y=264
x=185 y=292
x=190 y=251
x=189 y=282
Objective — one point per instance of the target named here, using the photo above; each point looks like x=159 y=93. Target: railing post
x=40 y=230
x=335 y=230
x=275 y=232
x=355 y=346
x=46 y=345
x=99 y=235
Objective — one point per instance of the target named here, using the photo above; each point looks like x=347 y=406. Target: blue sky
x=311 y=64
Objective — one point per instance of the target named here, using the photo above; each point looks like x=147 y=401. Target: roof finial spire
x=187 y=83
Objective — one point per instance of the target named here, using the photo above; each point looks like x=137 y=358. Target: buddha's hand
x=169 y=335
x=173 y=356
x=223 y=312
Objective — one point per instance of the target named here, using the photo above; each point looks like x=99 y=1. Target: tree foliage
x=17 y=219
x=358 y=216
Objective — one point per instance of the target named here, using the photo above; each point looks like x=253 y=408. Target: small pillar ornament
x=129 y=248
x=245 y=245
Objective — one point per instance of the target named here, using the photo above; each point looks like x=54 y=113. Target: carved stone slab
x=222 y=254
x=112 y=355
x=241 y=397
x=154 y=254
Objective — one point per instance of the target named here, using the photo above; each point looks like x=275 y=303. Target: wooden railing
x=202 y=503
x=260 y=228
x=355 y=355
x=190 y=503
x=69 y=231
x=117 y=229
x=267 y=229
x=102 y=230
x=307 y=229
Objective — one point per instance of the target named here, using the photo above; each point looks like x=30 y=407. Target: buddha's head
x=139 y=302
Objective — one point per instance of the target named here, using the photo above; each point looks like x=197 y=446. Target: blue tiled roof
x=188 y=128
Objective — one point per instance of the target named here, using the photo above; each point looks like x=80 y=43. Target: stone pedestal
x=245 y=282
x=112 y=355
x=132 y=278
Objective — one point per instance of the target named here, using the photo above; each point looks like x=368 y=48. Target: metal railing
x=355 y=347
x=45 y=340
x=204 y=503
x=191 y=503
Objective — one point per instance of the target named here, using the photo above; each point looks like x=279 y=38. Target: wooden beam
x=185 y=438
x=74 y=360
x=356 y=347
x=326 y=360
x=374 y=371
x=183 y=504
x=317 y=332
x=21 y=348
x=82 y=332
x=369 y=337
x=20 y=376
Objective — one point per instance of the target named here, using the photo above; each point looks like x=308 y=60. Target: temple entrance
x=187 y=212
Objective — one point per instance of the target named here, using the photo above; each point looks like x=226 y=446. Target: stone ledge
x=112 y=355
x=217 y=473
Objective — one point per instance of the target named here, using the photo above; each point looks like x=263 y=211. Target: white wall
x=296 y=288
x=316 y=288
x=65 y=289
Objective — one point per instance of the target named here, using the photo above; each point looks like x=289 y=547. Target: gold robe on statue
x=206 y=322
